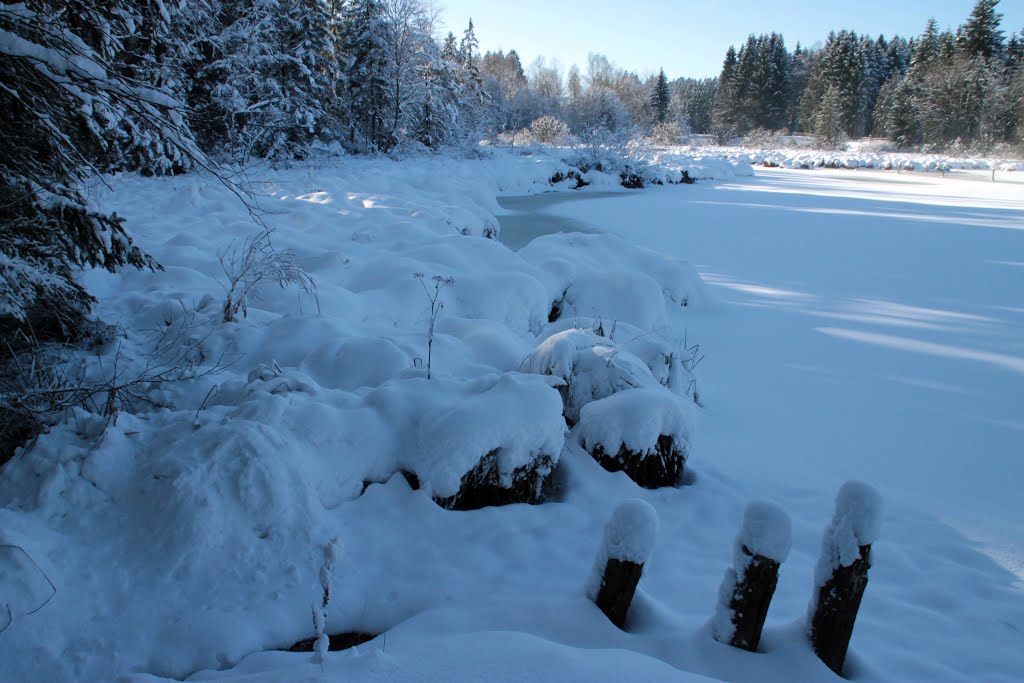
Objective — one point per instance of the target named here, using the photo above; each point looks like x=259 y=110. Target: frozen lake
x=862 y=325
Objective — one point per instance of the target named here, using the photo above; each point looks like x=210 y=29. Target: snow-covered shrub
x=44 y=382
x=642 y=432
x=667 y=134
x=254 y=263
x=549 y=130
x=604 y=276
x=490 y=445
x=590 y=367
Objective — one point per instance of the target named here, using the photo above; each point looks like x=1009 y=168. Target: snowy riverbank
x=189 y=536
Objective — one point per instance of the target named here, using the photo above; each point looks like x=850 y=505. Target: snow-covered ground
x=859 y=156
x=854 y=326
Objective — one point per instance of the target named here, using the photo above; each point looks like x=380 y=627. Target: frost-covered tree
x=601 y=109
x=980 y=35
x=693 y=102
x=829 y=123
x=265 y=85
x=67 y=99
x=927 y=47
x=362 y=43
x=726 y=103
x=661 y=98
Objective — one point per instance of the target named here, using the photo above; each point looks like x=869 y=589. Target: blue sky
x=685 y=37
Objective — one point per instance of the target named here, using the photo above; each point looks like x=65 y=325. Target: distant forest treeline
x=165 y=86
x=935 y=89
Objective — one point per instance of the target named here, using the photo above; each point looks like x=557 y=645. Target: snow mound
x=629 y=536
x=604 y=276
x=591 y=366
x=520 y=417
x=635 y=419
x=668 y=360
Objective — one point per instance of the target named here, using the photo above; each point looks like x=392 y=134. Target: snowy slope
x=186 y=540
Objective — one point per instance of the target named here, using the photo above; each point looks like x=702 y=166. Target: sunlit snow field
x=854 y=325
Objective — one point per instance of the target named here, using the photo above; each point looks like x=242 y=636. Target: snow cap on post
x=855 y=523
x=631 y=532
x=629 y=536
x=766 y=531
x=859 y=507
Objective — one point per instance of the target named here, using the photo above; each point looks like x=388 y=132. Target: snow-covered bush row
x=222 y=488
x=863 y=158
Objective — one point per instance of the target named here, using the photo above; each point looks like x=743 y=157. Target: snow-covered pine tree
x=724 y=116
x=62 y=103
x=980 y=35
x=927 y=46
x=829 y=123
x=661 y=98
x=799 y=74
x=1014 y=53
x=266 y=84
x=775 y=88
x=474 y=102
x=363 y=40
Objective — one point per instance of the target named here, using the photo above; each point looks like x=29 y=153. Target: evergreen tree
x=829 y=123
x=693 y=102
x=927 y=47
x=266 y=84
x=661 y=98
x=800 y=73
x=362 y=43
x=450 y=49
x=980 y=35
x=1014 y=53
x=723 y=118
x=63 y=95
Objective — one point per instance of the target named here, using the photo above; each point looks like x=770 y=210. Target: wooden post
x=628 y=540
x=841 y=575
x=750 y=601
x=618 y=586
x=748 y=586
x=838 y=604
